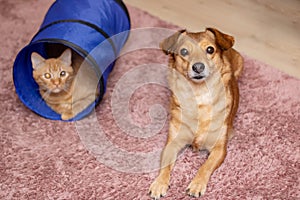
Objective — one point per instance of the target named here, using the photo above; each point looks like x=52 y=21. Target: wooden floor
x=268 y=30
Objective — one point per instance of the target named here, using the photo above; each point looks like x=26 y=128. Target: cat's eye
x=47 y=75
x=184 y=52
x=63 y=73
x=210 y=50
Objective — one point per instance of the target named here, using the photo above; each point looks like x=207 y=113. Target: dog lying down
x=203 y=74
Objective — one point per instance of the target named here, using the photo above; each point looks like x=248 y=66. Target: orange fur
x=63 y=88
x=204 y=69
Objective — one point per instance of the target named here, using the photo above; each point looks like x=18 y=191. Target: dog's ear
x=223 y=40
x=168 y=45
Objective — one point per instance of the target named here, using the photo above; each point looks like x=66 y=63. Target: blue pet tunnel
x=88 y=27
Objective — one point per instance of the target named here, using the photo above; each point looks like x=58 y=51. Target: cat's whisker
x=46 y=95
x=65 y=89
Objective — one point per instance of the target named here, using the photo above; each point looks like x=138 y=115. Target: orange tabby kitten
x=67 y=85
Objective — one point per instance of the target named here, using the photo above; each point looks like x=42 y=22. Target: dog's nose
x=198 y=67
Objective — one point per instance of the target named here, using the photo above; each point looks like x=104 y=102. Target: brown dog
x=204 y=69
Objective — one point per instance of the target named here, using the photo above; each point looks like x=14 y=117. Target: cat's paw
x=67 y=106
x=67 y=115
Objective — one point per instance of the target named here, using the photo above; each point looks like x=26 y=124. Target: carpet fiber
x=44 y=159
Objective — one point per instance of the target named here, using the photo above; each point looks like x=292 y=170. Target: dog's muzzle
x=198 y=71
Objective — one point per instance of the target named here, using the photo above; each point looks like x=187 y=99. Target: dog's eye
x=210 y=50
x=184 y=52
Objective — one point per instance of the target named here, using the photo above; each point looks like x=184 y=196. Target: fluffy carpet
x=113 y=154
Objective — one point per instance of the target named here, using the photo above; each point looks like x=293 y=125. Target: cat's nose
x=56 y=82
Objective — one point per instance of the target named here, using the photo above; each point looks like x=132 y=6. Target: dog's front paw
x=197 y=188
x=158 y=189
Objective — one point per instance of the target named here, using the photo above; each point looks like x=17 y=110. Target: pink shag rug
x=44 y=159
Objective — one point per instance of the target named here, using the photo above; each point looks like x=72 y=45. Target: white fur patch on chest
x=200 y=102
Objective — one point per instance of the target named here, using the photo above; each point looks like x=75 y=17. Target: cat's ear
x=66 y=56
x=36 y=60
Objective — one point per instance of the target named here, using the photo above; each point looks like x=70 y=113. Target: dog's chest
x=202 y=105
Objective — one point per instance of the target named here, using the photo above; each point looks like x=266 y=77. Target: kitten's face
x=53 y=75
